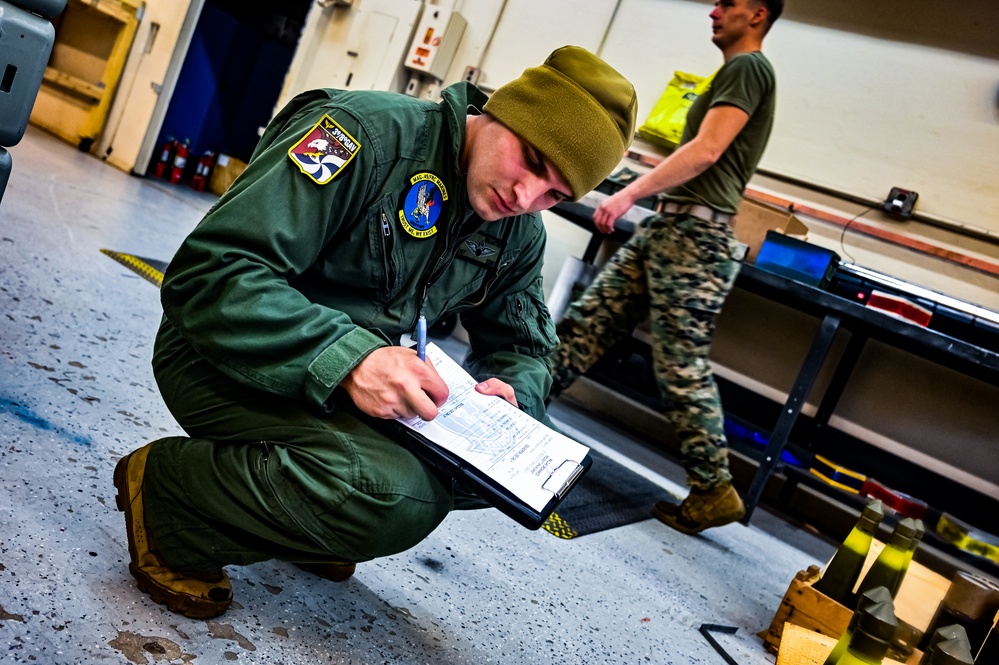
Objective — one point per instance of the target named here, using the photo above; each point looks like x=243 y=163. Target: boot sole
x=175 y=602
x=331 y=572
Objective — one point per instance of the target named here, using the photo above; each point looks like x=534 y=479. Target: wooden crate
x=916 y=601
x=803 y=606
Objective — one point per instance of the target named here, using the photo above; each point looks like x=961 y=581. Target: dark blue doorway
x=231 y=77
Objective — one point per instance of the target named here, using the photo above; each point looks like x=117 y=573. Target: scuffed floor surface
x=76 y=393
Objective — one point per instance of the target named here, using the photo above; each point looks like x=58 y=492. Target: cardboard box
x=754 y=219
x=224 y=173
x=921 y=592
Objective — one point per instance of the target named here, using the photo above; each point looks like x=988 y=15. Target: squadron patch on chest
x=325 y=151
x=422 y=205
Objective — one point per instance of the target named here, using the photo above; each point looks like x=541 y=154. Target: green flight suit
x=350 y=220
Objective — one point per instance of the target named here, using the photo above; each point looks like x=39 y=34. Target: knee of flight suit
x=368 y=526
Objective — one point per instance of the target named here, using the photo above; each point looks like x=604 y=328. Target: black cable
x=704 y=630
x=845 y=227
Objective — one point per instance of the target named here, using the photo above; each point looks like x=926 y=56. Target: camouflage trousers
x=676 y=270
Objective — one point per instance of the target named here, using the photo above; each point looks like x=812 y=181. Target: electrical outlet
x=471 y=74
x=413 y=86
x=900 y=202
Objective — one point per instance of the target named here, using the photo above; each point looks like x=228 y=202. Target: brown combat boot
x=193 y=597
x=702 y=509
x=335 y=571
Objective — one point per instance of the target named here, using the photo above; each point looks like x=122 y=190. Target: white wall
x=358 y=47
x=864 y=114
x=528 y=31
x=870 y=95
x=857 y=112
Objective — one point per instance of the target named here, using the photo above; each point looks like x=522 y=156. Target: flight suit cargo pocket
x=535 y=327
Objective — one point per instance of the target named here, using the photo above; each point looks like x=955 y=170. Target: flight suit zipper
x=438 y=265
x=485 y=288
x=389 y=261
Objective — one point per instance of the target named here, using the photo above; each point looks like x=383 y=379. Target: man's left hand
x=499 y=388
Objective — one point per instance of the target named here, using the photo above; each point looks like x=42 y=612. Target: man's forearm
x=720 y=127
x=685 y=164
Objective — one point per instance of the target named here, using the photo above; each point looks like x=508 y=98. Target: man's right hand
x=392 y=382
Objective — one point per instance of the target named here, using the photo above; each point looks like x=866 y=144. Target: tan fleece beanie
x=577 y=110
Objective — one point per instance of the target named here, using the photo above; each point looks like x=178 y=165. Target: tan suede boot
x=193 y=597
x=702 y=509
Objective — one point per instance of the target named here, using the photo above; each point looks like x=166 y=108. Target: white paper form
x=529 y=460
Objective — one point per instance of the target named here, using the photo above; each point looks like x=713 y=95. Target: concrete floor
x=76 y=393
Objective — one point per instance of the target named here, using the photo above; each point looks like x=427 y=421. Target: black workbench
x=836 y=314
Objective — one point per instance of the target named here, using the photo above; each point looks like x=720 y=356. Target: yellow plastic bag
x=668 y=117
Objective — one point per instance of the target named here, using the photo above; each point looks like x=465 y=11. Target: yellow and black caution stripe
x=837 y=476
x=559 y=528
x=149 y=269
x=610 y=495
x=966 y=538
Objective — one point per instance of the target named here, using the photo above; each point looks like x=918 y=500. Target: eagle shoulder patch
x=324 y=151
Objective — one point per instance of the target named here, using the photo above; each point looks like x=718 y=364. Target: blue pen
x=421 y=338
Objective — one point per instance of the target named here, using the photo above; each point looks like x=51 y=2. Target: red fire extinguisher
x=179 y=162
x=202 y=170
x=166 y=156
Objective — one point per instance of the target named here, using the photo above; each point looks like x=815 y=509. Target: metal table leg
x=592 y=248
x=792 y=407
x=844 y=368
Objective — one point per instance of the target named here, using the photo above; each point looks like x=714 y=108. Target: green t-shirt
x=748 y=82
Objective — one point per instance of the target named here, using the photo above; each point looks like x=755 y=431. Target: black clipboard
x=455 y=467
x=449 y=465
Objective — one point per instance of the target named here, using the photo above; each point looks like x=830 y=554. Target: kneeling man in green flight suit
x=358 y=212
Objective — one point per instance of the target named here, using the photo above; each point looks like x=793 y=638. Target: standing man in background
x=680 y=265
